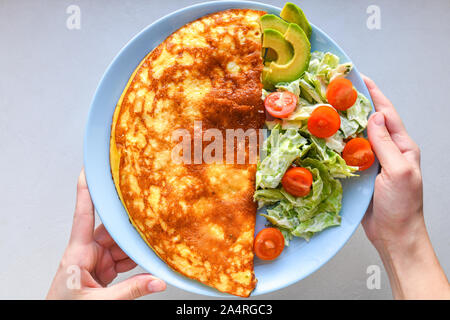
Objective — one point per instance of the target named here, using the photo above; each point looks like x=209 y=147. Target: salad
x=316 y=132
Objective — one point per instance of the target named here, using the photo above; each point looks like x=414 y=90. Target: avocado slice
x=283 y=72
x=275 y=40
x=271 y=21
x=267 y=84
x=293 y=14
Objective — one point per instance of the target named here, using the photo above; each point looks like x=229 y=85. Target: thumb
x=135 y=287
x=84 y=218
x=385 y=149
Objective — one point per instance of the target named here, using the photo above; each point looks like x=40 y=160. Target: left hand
x=92 y=260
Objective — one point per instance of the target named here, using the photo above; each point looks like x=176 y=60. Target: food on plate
x=358 y=153
x=292 y=13
x=269 y=243
x=297 y=181
x=271 y=21
x=341 y=94
x=280 y=104
x=324 y=122
x=275 y=72
x=275 y=40
x=314 y=144
x=199 y=218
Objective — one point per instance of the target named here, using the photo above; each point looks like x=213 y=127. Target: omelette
x=199 y=218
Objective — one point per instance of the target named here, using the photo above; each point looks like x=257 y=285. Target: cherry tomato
x=269 y=243
x=297 y=181
x=358 y=152
x=281 y=104
x=324 y=122
x=341 y=94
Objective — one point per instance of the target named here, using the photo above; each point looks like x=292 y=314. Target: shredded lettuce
x=309 y=92
x=291 y=144
x=348 y=128
x=302 y=113
x=293 y=87
x=326 y=66
x=283 y=147
x=359 y=112
x=304 y=216
x=335 y=164
x=336 y=142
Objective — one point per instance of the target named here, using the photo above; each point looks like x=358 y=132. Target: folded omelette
x=198 y=217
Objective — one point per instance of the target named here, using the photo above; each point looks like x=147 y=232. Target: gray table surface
x=49 y=74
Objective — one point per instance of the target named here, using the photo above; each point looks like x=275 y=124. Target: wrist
x=411 y=264
x=405 y=239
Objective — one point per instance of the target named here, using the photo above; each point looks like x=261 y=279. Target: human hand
x=396 y=211
x=394 y=221
x=96 y=260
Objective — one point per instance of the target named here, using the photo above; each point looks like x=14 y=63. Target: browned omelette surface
x=198 y=218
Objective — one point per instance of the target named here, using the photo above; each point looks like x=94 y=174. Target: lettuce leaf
x=316 y=224
x=336 y=142
x=293 y=87
x=305 y=216
x=326 y=66
x=308 y=92
x=282 y=148
x=348 y=128
x=359 y=112
x=332 y=160
x=337 y=166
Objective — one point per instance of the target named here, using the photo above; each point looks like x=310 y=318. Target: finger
x=105 y=275
x=382 y=104
x=117 y=253
x=394 y=123
x=134 y=287
x=125 y=265
x=385 y=149
x=84 y=219
x=102 y=236
x=379 y=99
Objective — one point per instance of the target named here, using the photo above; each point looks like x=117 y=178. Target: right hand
x=396 y=211
x=394 y=221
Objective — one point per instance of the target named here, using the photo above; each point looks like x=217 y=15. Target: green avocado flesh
x=275 y=40
x=271 y=21
x=291 y=70
x=293 y=14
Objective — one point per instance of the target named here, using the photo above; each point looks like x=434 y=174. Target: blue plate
x=298 y=260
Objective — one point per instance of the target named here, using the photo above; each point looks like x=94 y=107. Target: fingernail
x=156 y=285
x=378 y=119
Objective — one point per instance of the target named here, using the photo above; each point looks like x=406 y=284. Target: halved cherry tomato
x=341 y=94
x=324 y=122
x=358 y=152
x=269 y=243
x=281 y=104
x=297 y=181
